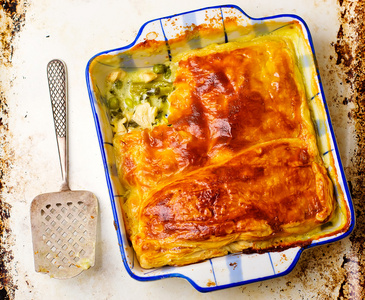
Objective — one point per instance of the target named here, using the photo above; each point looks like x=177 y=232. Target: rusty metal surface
x=350 y=51
x=334 y=271
x=12 y=17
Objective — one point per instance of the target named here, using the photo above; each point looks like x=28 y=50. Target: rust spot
x=12 y=16
x=342 y=47
x=12 y=19
x=5 y=254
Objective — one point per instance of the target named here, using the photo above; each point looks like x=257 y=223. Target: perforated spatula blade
x=63 y=223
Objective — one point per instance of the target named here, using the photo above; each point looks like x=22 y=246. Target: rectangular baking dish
x=196 y=29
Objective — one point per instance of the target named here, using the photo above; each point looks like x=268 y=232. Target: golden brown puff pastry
x=236 y=167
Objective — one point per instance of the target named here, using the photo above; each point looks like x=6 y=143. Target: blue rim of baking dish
x=110 y=188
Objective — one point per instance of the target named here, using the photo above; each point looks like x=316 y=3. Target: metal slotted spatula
x=63 y=223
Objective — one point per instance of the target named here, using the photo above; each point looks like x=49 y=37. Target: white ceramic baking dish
x=196 y=29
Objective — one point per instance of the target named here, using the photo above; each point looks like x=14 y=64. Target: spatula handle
x=57 y=82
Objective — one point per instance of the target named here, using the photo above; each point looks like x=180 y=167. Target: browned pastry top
x=237 y=165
